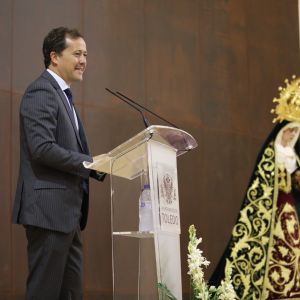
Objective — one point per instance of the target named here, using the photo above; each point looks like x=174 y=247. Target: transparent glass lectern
x=145 y=216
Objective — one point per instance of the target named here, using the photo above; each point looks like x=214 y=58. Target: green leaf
x=166 y=292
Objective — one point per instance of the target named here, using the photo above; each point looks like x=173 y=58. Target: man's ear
x=54 y=58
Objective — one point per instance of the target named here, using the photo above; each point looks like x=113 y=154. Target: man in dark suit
x=52 y=191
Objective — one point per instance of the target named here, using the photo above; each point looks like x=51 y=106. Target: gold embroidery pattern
x=250 y=236
x=265 y=245
x=283 y=274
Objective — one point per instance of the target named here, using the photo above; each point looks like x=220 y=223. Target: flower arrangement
x=200 y=289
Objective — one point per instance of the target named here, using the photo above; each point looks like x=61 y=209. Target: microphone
x=174 y=138
x=173 y=143
x=145 y=120
x=146 y=109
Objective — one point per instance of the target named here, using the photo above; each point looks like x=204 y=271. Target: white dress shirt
x=63 y=85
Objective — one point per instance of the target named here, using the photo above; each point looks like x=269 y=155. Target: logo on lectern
x=167 y=188
x=168 y=198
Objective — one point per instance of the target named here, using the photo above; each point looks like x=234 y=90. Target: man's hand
x=100 y=176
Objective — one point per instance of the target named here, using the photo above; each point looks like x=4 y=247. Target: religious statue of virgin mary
x=264 y=248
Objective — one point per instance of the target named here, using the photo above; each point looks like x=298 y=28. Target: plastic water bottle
x=145 y=210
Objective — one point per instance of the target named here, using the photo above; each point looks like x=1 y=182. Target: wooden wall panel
x=18 y=241
x=245 y=113
x=6 y=44
x=270 y=60
x=5 y=134
x=114 y=32
x=5 y=193
x=211 y=67
x=33 y=19
x=172 y=60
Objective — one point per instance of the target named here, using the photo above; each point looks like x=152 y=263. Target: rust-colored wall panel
x=223 y=66
x=15 y=140
x=5 y=149
x=18 y=242
x=172 y=59
x=97 y=252
x=106 y=135
x=5 y=38
x=114 y=33
x=249 y=108
x=32 y=21
x=269 y=60
x=5 y=192
x=19 y=261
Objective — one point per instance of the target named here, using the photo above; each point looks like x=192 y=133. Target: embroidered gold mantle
x=265 y=248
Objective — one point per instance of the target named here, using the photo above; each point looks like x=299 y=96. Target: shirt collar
x=62 y=84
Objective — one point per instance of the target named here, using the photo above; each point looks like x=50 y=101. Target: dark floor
x=86 y=297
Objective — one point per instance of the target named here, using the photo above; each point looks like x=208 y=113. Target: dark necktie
x=68 y=92
x=80 y=129
x=70 y=96
x=85 y=183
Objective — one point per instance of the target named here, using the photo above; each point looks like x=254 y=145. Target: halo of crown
x=288 y=102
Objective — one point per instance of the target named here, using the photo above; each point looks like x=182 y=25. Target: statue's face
x=288 y=135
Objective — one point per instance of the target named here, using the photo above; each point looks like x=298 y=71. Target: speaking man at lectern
x=52 y=190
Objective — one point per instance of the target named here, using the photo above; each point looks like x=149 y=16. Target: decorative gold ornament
x=264 y=248
x=288 y=103
x=251 y=234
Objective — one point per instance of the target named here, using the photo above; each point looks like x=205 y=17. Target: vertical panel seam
x=144 y=53
x=11 y=146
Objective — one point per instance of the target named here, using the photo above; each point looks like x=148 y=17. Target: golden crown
x=288 y=103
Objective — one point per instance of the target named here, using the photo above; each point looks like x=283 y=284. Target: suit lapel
x=83 y=137
x=66 y=105
x=70 y=114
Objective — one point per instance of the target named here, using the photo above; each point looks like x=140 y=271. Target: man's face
x=71 y=62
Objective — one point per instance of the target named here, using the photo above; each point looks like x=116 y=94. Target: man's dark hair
x=56 y=41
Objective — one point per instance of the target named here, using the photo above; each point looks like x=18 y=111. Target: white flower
x=196 y=260
x=226 y=291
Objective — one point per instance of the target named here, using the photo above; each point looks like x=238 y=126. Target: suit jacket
x=52 y=188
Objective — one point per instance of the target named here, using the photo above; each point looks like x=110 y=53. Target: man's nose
x=82 y=59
